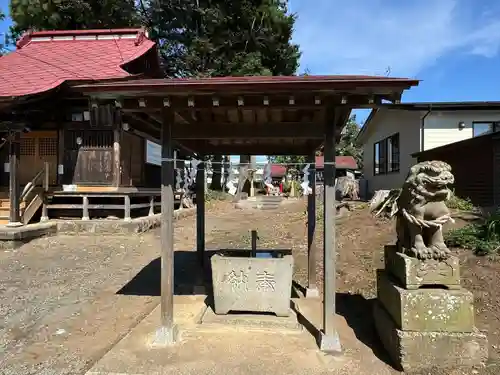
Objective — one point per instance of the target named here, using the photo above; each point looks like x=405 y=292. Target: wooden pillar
x=14 y=189
x=167 y=334
x=85 y=203
x=60 y=156
x=151 y=205
x=200 y=213
x=126 y=208
x=117 y=173
x=329 y=341
x=46 y=185
x=312 y=253
x=254 y=243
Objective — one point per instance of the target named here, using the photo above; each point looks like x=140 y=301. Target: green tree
x=223 y=37
x=347 y=145
x=2 y=42
x=71 y=14
x=290 y=161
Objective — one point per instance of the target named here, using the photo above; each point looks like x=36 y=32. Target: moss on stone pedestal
x=426 y=309
x=413 y=350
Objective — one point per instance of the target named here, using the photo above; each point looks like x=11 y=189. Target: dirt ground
x=360 y=242
x=64 y=301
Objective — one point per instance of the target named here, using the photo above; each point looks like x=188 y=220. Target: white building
x=392 y=133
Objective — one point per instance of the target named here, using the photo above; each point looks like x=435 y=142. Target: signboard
x=153 y=153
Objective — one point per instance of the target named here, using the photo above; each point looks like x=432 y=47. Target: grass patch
x=457 y=203
x=482 y=238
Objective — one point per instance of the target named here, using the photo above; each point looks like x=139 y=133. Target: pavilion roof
x=248 y=115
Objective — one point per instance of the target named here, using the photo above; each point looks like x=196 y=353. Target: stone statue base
x=423 y=317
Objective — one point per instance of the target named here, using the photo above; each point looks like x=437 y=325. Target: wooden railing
x=42 y=179
x=154 y=201
x=44 y=172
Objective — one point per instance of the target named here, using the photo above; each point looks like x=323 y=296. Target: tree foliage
x=71 y=14
x=346 y=147
x=222 y=37
x=291 y=161
x=2 y=42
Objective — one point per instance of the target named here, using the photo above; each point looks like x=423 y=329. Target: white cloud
x=367 y=36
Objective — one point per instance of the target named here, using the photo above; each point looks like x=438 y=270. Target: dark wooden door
x=37 y=148
x=88 y=157
x=496 y=171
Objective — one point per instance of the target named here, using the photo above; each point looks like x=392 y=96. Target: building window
x=485 y=127
x=393 y=153
x=386 y=155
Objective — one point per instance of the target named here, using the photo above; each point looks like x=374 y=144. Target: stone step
x=261 y=202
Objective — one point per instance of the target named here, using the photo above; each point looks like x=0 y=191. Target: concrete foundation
x=15 y=237
x=252 y=284
x=413 y=273
x=414 y=350
x=253 y=322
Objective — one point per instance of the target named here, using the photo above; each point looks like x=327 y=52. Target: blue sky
x=451 y=45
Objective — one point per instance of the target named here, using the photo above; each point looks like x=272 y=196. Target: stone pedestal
x=423 y=317
x=412 y=273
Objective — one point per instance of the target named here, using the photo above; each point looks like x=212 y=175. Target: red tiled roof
x=341 y=162
x=278 y=170
x=46 y=59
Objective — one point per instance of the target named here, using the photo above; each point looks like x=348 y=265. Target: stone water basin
x=246 y=281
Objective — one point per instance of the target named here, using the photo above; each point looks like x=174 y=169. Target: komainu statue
x=421 y=211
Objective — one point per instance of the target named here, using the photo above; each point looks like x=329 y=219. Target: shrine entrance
x=250 y=116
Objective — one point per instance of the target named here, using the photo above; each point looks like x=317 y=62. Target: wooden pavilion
x=250 y=115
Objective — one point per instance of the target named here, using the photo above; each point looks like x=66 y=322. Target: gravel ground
x=64 y=301
x=62 y=305
x=360 y=242
x=60 y=309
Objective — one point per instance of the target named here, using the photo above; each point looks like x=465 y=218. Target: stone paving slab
x=228 y=351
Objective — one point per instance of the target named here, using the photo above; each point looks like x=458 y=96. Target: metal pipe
x=422 y=125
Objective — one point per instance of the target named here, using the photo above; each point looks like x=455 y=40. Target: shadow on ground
x=188 y=273
x=357 y=311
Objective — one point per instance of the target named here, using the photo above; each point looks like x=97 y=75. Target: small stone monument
x=423 y=316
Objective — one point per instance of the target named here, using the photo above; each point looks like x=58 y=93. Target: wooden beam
x=167 y=334
x=329 y=340
x=294 y=130
x=200 y=213
x=149 y=122
x=14 y=188
x=312 y=253
x=311 y=101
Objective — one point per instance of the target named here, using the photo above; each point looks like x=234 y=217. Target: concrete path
x=235 y=350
